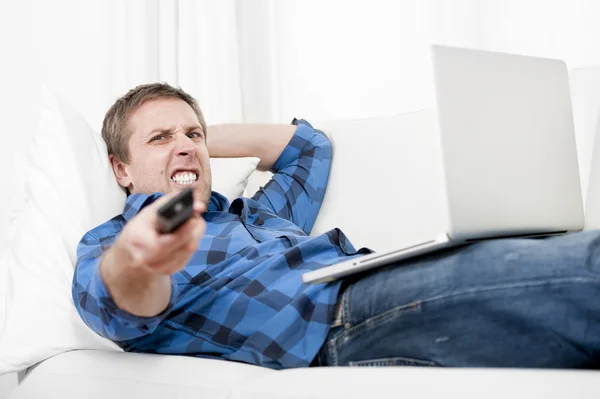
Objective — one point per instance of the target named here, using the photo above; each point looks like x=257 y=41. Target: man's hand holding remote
x=137 y=269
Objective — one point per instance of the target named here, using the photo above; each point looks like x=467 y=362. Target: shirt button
x=260 y=222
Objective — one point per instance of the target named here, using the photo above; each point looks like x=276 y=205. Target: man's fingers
x=169 y=266
x=162 y=200
x=188 y=234
x=139 y=255
x=199 y=207
x=162 y=253
x=139 y=241
x=181 y=256
x=178 y=245
x=196 y=235
x=172 y=252
x=181 y=235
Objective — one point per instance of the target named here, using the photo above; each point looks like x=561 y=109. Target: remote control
x=176 y=212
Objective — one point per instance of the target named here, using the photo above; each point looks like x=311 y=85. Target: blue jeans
x=500 y=303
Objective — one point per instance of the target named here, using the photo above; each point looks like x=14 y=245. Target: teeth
x=184 y=178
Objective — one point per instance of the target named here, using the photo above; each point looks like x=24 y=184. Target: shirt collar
x=136 y=202
x=217 y=202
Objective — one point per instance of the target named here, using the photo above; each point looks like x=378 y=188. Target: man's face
x=167 y=150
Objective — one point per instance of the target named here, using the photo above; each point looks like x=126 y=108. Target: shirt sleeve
x=301 y=174
x=95 y=305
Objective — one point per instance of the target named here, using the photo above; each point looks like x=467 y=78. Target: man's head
x=156 y=139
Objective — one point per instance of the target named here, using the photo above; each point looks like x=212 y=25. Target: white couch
x=98 y=374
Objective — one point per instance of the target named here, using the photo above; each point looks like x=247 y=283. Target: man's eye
x=157 y=138
x=194 y=135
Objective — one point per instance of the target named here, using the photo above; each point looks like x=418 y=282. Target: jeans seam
x=382 y=361
x=332 y=345
x=350 y=331
x=589 y=260
x=346 y=307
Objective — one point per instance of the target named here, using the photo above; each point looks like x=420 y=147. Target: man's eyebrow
x=170 y=130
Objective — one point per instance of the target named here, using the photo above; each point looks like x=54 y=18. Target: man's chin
x=201 y=191
x=179 y=187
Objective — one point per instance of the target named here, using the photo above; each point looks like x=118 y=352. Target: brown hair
x=114 y=128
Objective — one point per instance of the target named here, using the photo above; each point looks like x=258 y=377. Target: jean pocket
x=392 y=361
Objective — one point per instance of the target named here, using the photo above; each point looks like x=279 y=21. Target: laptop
x=507 y=161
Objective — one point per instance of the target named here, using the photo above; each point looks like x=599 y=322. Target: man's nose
x=185 y=146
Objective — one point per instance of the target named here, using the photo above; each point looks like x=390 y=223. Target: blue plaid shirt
x=240 y=297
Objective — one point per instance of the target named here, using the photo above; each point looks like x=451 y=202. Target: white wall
x=353 y=59
x=76 y=55
x=563 y=29
x=91 y=52
x=350 y=59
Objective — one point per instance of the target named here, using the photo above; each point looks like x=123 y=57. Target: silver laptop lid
x=508 y=143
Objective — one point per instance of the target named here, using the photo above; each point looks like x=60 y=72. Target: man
x=227 y=285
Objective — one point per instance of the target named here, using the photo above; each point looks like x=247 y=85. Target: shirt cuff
x=124 y=317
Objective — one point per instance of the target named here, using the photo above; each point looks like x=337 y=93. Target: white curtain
x=351 y=59
x=269 y=60
x=261 y=60
x=93 y=51
x=208 y=60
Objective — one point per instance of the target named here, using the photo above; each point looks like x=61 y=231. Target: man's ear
x=120 y=170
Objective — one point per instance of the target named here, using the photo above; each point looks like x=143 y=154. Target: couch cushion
x=422 y=383
x=101 y=374
x=98 y=374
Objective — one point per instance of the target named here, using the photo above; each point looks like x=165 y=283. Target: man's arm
x=265 y=141
x=134 y=289
x=300 y=163
x=124 y=292
x=299 y=156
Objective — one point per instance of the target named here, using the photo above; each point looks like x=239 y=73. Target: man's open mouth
x=184 y=177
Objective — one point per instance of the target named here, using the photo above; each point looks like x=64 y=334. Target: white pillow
x=375 y=160
x=230 y=175
x=377 y=193
x=70 y=189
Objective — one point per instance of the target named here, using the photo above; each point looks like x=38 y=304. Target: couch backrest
x=585 y=95
x=585 y=88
